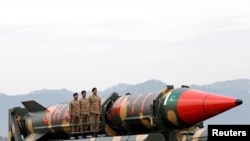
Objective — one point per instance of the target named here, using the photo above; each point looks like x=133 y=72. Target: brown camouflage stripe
x=30 y=126
x=200 y=135
x=109 y=131
x=10 y=136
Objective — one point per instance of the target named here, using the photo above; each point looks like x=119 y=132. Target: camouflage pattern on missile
x=171 y=109
x=166 y=114
x=53 y=121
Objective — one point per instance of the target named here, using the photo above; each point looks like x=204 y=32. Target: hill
x=236 y=88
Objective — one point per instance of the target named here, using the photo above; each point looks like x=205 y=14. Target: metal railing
x=82 y=128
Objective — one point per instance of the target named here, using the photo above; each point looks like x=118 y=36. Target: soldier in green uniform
x=95 y=111
x=74 y=111
x=84 y=111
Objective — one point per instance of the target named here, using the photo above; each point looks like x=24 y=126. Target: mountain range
x=239 y=88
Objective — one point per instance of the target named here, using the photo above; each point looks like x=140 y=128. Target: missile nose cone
x=194 y=106
x=214 y=104
x=238 y=102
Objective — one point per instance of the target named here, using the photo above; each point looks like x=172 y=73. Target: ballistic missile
x=171 y=109
x=128 y=115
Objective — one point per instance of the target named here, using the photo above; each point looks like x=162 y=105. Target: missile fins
x=32 y=106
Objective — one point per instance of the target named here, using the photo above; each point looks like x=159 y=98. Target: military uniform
x=84 y=111
x=74 y=111
x=95 y=111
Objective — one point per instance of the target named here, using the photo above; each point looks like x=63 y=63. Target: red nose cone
x=195 y=106
x=215 y=104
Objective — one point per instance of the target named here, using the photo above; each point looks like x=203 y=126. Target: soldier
x=84 y=108
x=95 y=111
x=74 y=111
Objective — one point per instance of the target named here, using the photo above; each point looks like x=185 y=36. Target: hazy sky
x=78 y=45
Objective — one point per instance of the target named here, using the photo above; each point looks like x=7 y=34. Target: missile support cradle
x=168 y=115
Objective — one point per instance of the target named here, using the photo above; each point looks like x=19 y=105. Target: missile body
x=54 y=120
x=131 y=114
x=171 y=109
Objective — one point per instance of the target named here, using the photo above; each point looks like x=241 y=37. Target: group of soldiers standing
x=85 y=113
